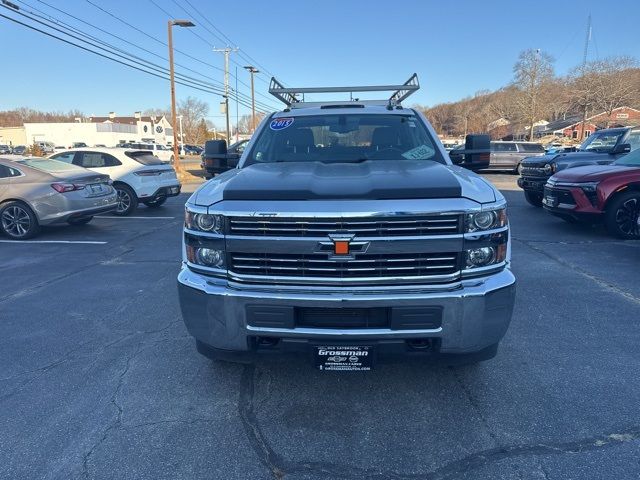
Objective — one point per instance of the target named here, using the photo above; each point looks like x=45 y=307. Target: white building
x=108 y=131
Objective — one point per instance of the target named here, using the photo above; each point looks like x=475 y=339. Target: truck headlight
x=486 y=220
x=204 y=222
x=205 y=256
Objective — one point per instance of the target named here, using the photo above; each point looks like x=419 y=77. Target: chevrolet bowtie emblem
x=342 y=246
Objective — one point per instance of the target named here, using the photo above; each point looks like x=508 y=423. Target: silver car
x=41 y=191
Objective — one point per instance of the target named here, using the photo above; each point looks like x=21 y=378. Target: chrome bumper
x=476 y=312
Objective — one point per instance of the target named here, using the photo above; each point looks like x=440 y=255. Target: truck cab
x=347 y=235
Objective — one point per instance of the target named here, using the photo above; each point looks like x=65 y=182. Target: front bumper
x=475 y=312
x=534 y=184
x=572 y=202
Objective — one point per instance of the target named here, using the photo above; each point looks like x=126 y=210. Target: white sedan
x=138 y=175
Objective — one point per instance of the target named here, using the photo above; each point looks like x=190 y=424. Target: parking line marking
x=136 y=218
x=84 y=242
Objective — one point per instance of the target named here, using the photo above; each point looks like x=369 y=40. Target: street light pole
x=176 y=152
x=252 y=70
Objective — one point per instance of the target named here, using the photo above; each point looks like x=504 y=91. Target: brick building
x=620 y=117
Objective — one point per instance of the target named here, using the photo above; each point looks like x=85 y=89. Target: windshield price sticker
x=344 y=358
x=419 y=153
x=281 y=123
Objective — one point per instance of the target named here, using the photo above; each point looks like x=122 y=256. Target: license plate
x=344 y=358
x=550 y=201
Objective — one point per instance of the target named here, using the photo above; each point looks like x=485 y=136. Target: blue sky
x=457 y=48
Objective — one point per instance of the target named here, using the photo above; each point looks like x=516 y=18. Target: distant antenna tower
x=586 y=42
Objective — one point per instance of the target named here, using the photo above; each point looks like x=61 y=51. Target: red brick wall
x=620 y=116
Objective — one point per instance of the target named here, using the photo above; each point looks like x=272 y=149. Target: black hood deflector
x=370 y=180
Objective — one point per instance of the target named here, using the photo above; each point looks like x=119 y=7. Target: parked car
x=59 y=148
x=346 y=234
x=79 y=145
x=216 y=161
x=163 y=152
x=38 y=191
x=600 y=148
x=46 y=147
x=599 y=193
x=19 y=150
x=5 y=149
x=509 y=155
x=138 y=176
x=192 y=150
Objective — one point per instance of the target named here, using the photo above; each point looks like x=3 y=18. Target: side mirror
x=476 y=153
x=622 y=148
x=215 y=147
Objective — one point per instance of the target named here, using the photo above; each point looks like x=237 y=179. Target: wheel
x=79 y=221
x=127 y=199
x=155 y=203
x=18 y=221
x=622 y=216
x=533 y=198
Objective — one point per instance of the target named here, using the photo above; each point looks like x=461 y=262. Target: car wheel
x=533 y=198
x=622 y=217
x=79 y=221
x=155 y=203
x=127 y=201
x=18 y=221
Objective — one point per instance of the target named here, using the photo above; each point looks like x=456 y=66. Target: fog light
x=481 y=257
x=210 y=257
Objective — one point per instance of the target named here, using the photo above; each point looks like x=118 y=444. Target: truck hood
x=568 y=158
x=593 y=173
x=370 y=180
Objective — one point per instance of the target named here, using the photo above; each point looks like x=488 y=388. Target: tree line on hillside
x=536 y=93
x=195 y=126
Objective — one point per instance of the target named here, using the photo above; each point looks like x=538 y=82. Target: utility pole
x=584 y=64
x=170 y=25
x=252 y=70
x=226 y=51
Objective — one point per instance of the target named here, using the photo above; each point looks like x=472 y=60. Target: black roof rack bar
x=289 y=96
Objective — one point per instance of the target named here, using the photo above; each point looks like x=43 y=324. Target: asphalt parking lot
x=99 y=379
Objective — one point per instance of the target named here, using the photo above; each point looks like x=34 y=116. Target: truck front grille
x=311 y=266
x=363 y=227
x=535 y=172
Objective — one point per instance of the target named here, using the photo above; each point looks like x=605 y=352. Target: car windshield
x=49 y=166
x=602 y=141
x=631 y=159
x=344 y=138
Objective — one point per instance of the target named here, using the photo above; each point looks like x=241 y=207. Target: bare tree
x=193 y=111
x=532 y=72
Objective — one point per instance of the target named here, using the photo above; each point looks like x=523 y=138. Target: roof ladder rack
x=290 y=96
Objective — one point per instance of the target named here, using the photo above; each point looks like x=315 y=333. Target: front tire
x=18 y=221
x=127 y=200
x=533 y=198
x=622 y=216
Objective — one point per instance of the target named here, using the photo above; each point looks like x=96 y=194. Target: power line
x=265 y=106
x=128 y=63
x=170 y=15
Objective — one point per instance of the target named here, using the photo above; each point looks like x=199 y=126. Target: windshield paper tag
x=419 y=153
x=280 y=123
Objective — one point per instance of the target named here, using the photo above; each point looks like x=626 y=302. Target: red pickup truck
x=599 y=193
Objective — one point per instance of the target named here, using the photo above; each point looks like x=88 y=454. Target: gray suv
x=509 y=155
x=347 y=235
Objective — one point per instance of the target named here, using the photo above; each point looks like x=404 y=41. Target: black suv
x=601 y=147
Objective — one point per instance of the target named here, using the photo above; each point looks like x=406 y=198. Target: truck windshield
x=602 y=141
x=344 y=138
